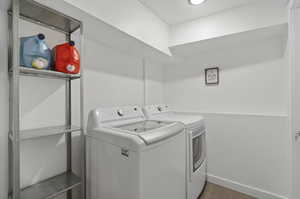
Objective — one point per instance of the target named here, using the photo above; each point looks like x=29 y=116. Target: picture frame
x=212 y=76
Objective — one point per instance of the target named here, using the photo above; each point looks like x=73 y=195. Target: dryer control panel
x=156 y=109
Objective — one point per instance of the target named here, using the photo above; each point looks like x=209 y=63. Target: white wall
x=254 y=16
x=246 y=114
x=294 y=49
x=241 y=90
x=249 y=66
x=154 y=93
x=131 y=17
x=248 y=153
x=3 y=104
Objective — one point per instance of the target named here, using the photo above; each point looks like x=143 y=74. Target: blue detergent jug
x=34 y=52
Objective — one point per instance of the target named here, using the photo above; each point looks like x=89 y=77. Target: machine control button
x=125 y=152
x=120 y=113
x=159 y=109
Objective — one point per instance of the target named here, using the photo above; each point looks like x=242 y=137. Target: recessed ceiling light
x=196 y=2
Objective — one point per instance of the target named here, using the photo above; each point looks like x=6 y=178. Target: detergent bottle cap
x=71 y=43
x=41 y=36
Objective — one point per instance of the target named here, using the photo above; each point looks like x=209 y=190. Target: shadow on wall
x=103 y=58
x=230 y=58
x=154 y=71
x=40 y=166
x=35 y=93
x=4 y=5
x=36 y=168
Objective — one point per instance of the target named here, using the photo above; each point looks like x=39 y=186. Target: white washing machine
x=129 y=157
x=196 y=144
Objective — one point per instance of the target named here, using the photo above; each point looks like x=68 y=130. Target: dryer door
x=198 y=149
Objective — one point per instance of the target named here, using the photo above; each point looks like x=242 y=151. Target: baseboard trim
x=248 y=190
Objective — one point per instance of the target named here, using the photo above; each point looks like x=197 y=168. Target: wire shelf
x=46 y=131
x=25 y=71
x=51 y=187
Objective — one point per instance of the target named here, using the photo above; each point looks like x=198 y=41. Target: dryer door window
x=198 y=151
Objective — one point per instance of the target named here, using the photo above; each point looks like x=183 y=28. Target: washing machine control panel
x=102 y=115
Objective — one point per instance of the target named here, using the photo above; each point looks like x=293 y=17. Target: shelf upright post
x=14 y=126
x=68 y=119
x=82 y=133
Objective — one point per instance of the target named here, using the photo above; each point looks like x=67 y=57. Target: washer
x=196 y=144
x=129 y=157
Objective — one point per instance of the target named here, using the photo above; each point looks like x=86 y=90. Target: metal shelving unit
x=37 y=13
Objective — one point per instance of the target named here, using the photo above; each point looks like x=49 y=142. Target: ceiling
x=179 y=11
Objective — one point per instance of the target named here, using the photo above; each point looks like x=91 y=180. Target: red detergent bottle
x=67 y=58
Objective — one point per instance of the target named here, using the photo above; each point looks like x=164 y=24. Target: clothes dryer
x=196 y=144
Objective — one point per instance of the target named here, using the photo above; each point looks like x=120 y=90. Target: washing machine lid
x=151 y=131
x=163 y=113
x=190 y=120
x=129 y=125
x=143 y=126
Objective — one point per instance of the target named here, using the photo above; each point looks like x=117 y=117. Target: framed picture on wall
x=212 y=76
